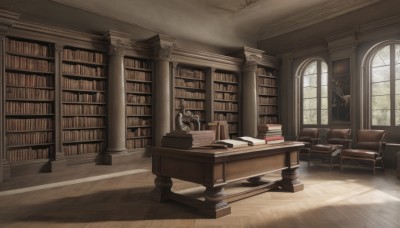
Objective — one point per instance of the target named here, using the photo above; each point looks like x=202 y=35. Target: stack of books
x=271 y=133
x=188 y=139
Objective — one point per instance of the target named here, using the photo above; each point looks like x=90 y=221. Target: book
x=275 y=141
x=270 y=138
x=231 y=143
x=250 y=140
x=269 y=127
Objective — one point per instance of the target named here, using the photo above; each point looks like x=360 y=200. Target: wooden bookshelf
x=226 y=100
x=29 y=100
x=138 y=76
x=267 y=95
x=190 y=86
x=84 y=109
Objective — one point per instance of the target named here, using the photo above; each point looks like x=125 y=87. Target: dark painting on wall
x=341 y=90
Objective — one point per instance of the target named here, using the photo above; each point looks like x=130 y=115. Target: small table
x=215 y=168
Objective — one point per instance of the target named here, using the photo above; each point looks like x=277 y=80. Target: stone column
x=249 y=98
x=58 y=163
x=116 y=105
x=162 y=93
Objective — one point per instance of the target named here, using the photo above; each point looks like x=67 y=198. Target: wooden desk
x=215 y=168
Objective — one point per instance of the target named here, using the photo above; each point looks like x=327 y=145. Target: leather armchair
x=308 y=136
x=369 y=146
x=336 y=140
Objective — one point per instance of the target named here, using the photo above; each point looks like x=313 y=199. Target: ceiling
x=214 y=24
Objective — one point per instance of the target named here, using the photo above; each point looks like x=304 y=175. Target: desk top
x=209 y=152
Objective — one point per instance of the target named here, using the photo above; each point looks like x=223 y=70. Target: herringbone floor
x=353 y=197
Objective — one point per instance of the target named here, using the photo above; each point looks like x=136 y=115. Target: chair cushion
x=324 y=148
x=337 y=141
x=359 y=153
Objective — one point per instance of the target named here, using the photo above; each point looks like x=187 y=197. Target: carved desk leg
x=215 y=206
x=162 y=189
x=290 y=181
x=256 y=180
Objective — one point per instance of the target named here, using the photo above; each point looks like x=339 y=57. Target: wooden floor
x=353 y=197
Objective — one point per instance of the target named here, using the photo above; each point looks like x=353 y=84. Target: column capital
x=116 y=48
x=118 y=42
x=162 y=52
x=250 y=66
x=59 y=47
x=162 y=46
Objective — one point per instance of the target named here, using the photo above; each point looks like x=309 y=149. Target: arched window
x=315 y=92
x=385 y=86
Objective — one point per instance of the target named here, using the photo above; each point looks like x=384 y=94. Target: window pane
x=306 y=81
x=309 y=92
x=381 y=102
x=324 y=103
x=397 y=101
x=324 y=68
x=397 y=71
x=381 y=88
x=382 y=57
x=397 y=54
x=311 y=68
x=397 y=85
x=397 y=117
x=324 y=79
x=324 y=116
x=310 y=117
x=313 y=103
x=380 y=74
x=313 y=80
x=381 y=117
x=324 y=91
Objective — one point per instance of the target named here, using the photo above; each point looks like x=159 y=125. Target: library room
x=201 y=113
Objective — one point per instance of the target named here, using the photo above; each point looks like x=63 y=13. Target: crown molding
x=7 y=19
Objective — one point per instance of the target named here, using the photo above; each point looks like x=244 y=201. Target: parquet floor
x=353 y=197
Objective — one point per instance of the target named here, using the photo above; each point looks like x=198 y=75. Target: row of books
x=264 y=72
x=190 y=104
x=83 y=122
x=28 y=48
x=138 y=121
x=232 y=127
x=83 y=84
x=225 y=87
x=29 y=93
x=72 y=109
x=268 y=110
x=225 y=77
x=190 y=84
x=83 y=55
x=226 y=96
x=266 y=81
x=189 y=73
x=135 y=63
x=225 y=106
x=137 y=132
x=138 y=75
x=268 y=100
x=83 y=135
x=142 y=99
x=138 y=110
x=29 y=138
x=78 y=69
x=226 y=116
x=28 y=108
x=27 y=154
x=83 y=148
x=29 y=80
x=267 y=91
x=189 y=94
x=138 y=87
x=268 y=119
x=29 y=124
x=138 y=143
x=83 y=97
x=23 y=63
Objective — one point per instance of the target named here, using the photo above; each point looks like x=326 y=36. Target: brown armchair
x=336 y=140
x=308 y=136
x=369 y=146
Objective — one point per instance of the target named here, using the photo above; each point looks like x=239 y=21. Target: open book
x=231 y=143
x=250 y=140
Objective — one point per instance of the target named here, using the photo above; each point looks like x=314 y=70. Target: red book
x=271 y=138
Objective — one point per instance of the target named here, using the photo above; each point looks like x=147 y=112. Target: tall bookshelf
x=190 y=87
x=226 y=100
x=84 y=111
x=267 y=95
x=138 y=76
x=29 y=100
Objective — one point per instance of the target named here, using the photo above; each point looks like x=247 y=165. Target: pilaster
x=7 y=19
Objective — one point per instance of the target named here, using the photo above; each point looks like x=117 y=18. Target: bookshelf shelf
x=29 y=99
x=84 y=105
x=226 y=99
x=267 y=95
x=139 y=91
